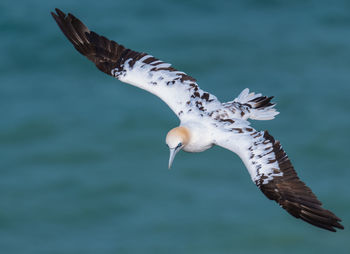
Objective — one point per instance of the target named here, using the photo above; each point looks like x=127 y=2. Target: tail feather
x=262 y=102
x=254 y=106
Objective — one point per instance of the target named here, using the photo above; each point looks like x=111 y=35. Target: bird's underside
x=266 y=161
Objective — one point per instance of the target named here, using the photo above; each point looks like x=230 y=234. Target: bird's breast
x=197 y=148
x=200 y=138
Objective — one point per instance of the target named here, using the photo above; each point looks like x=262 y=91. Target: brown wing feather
x=294 y=196
x=139 y=69
x=105 y=53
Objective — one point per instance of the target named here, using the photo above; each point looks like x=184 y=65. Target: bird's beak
x=173 y=152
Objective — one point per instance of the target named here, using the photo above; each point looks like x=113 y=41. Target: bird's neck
x=183 y=133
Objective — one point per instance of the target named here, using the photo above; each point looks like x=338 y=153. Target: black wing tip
x=320 y=217
x=73 y=29
x=104 y=53
x=303 y=203
x=58 y=14
x=55 y=15
x=328 y=221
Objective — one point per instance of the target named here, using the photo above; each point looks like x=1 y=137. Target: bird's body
x=205 y=121
x=201 y=136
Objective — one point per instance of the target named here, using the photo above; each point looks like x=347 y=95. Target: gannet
x=205 y=121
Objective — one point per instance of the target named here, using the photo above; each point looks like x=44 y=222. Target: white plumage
x=205 y=121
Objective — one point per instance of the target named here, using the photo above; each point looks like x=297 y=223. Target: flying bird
x=205 y=121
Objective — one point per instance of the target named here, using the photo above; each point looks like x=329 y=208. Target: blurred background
x=83 y=161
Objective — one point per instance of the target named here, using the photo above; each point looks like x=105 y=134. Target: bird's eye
x=179 y=145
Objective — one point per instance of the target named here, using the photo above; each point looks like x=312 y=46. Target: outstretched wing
x=272 y=171
x=175 y=88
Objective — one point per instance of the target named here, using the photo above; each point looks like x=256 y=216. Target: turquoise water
x=83 y=158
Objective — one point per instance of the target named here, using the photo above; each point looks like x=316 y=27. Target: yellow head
x=176 y=139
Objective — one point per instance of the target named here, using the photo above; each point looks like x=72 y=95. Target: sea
x=83 y=160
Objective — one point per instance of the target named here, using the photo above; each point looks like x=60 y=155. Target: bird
x=205 y=121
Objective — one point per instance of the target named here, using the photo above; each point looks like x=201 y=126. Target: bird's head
x=176 y=139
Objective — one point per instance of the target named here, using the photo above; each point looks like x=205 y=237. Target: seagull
x=205 y=121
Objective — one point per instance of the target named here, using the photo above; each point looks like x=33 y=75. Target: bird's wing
x=175 y=88
x=272 y=171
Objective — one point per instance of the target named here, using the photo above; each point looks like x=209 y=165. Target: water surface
x=83 y=158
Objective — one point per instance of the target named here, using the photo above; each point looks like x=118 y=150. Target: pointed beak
x=173 y=152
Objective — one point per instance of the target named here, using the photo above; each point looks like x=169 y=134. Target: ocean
x=83 y=165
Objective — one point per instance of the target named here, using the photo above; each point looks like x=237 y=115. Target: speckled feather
x=226 y=123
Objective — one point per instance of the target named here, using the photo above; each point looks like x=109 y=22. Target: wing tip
x=294 y=195
x=323 y=218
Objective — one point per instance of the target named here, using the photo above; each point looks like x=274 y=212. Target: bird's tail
x=254 y=106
